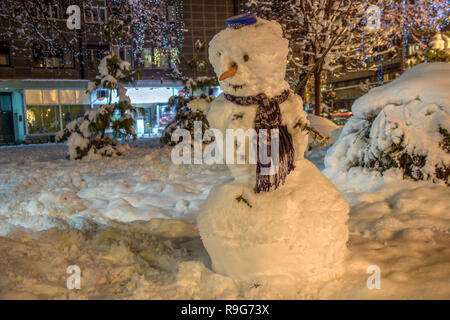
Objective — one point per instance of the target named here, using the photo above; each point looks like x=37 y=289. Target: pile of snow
x=138 y=186
x=440 y=41
x=401 y=125
x=129 y=224
x=326 y=128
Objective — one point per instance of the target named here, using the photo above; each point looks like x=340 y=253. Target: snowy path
x=129 y=224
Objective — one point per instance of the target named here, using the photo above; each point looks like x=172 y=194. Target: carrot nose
x=229 y=73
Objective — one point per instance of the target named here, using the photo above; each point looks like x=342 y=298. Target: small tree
x=86 y=136
x=196 y=80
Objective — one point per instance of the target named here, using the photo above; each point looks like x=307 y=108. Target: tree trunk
x=302 y=91
x=317 y=90
x=402 y=56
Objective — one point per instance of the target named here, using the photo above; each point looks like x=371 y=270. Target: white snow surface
x=325 y=127
x=413 y=107
x=129 y=224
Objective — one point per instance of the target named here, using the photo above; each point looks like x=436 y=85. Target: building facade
x=353 y=85
x=42 y=90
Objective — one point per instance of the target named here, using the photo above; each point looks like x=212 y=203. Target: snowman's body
x=296 y=233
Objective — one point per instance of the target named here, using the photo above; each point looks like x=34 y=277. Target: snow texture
x=325 y=127
x=408 y=111
x=129 y=224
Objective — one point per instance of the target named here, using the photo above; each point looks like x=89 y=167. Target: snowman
x=283 y=228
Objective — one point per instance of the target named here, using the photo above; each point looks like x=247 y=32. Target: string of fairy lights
x=379 y=57
x=168 y=30
x=140 y=41
x=439 y=19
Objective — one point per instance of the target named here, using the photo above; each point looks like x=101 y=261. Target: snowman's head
x=250 y=60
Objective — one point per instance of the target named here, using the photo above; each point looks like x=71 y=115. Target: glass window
x=44 y=58
x=88 y=15
x=33 y=97
x=96 y=14
x=82 y=97
x=43 y=108
x=74 y=103
x=41 y=97
x=54 y=12
x=72 y=112
x=161 y=59
x=173 y=56
x=42 y=119
x=170 y=14
x=148 y=58
x=5 y=102
x=4 y=53
x=103 y=15
x=95 y=53
x=50 y=97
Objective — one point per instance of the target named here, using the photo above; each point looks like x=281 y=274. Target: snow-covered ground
x=129 y=224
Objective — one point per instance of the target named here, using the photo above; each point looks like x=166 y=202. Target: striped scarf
x=268 y=117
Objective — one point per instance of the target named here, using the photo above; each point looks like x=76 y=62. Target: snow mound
x=295 y=234
x=325 y=127
x=404 y=124
x=401 y=227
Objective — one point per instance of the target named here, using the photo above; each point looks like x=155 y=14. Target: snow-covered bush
x=438 y=50
x=86 y=136
x=188 y=107
x=188 y=110
x=404 y=124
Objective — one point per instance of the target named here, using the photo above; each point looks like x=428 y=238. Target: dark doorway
x=6 y=118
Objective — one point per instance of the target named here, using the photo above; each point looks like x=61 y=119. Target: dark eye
x=219 y=54
x=246 y=58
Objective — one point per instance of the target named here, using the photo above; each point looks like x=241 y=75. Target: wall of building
x=202 y=20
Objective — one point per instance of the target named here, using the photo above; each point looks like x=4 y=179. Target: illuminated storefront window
x=160 y=59
x=42 y=119
x=48 y=111
x=148 y=58
x=74 y=103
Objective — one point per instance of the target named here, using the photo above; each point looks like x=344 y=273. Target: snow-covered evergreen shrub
x=86 y=136
x=403 y=125
x=438 y=50
x=188 y=110
x=194 y=81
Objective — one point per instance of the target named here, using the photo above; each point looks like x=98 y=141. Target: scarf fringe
x=286 y=164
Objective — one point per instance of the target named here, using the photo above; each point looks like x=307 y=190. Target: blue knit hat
x=241 y=20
